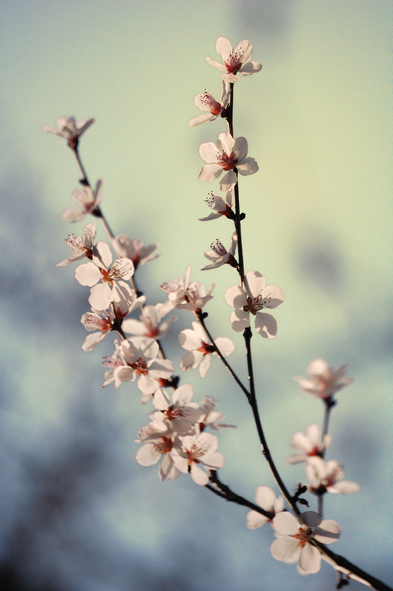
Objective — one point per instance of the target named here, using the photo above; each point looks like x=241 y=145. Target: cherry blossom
x=228 y=154
x=324 y=381
x=134 y=250
x=293 y=537
x=87 y=200
x=199 y=355
x=252 y=299
x=150 y=324
x=182 y=413
x=219 y=255
x=236 y=61
x=206 y=102
x=308 y=444
x=101 y=295
x=82 y=247
x=112 y=363
x=221 y=207
x=211 y=417
x=266 y=498
x=157 y=445
x=185 y=295
x=328 y=477
x=104 y=322
x=139 y=360
x=198 y=449
x=68 y=128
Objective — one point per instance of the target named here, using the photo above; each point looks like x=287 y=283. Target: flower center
x=163 y=446
x=206 y=349
x=234 y=62
x=303 y=536
x=209 y=101
x=140 y=367
x=227 y=162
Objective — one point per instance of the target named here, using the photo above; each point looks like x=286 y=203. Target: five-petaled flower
x=228 y=154
x=219 y=255
x=323 y=381
x=294 y=537
x=88 y=201
x=70 y=129
x=236 y=61
x=252 y=299
x=150 y=324
x=198 y=449
x=195 y=342
x=206 y=102
x=266 y=498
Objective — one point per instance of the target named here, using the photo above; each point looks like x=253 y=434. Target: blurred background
x=77 y=512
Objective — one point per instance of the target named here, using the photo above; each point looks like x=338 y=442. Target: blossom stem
x=254 y=406
x=199 y=316
x=84 y=180
x=223 y=491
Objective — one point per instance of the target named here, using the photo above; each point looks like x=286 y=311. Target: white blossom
x=328 y=477
x=185 y=295
x=87 y=199
x=199 y=449
x=206 y=102
x=221 y=207
x=236 y=62
x=229 y=153
x=219 y=255
x=266 y=498
x=195 y=341
x=70 y=129
x=308 y=444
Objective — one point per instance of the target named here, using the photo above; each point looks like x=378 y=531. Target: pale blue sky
x=318 y=120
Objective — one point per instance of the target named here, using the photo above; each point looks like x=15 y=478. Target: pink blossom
x=236 y=62
x=293 y=537
x=83 y=247
x=228 y=154
x=157 y=447
x=134 y=250
x=181 y=413
x=150 y=324
x=206 y=102
x=308 y=444
x=211 y=417
x=185 y=295
x=195 y=341
x=323 y=381
x=199 y=449
x=252 y=299
x=87 y=200
x=328 y=477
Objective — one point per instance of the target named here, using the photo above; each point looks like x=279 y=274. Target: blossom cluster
x=178 y=436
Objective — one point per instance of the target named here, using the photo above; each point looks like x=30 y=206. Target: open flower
x=328 y=477
x=68 y=128
x=308 y=444
x=150 y=324
x=323 y=381
x=101 y=295
x=228 y=154
x=294 y=537
x=185 y=295
x=221 y=207
x=181 y=414
x=266 y=498
x=195 y=342
x=104 y=322
x=252 y=299
x=87 y=199
x=219 y=255
x=199 y=449
x=134 y=250
x=236 y=61
x=206 y=102
x=157 y=447
x=139 y=360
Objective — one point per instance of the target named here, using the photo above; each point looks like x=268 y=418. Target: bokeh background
x=77 y=512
